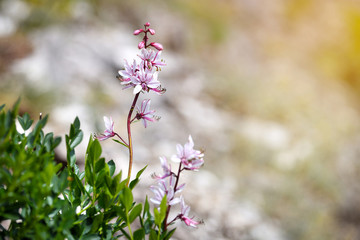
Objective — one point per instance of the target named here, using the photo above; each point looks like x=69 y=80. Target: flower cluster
x=143 y=76
x=168 y=183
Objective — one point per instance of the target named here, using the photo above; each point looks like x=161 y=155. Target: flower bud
x=138 y=31
x=141 y=45
x=152 y=31
x=147 y=24
x=158 y=46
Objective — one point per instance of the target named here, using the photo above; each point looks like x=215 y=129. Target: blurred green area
x=296 y=63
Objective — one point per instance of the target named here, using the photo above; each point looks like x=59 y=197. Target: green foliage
x=39 y=201
x=30 y=185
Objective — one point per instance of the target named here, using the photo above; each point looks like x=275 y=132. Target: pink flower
x=158 y=46
x=185 y=213
x=129 y=72
x=109 y=131
x=163 y=188
x=146 y=80
x=150 y=58
x=166 y=169
x=145 y=113
x=191 y=159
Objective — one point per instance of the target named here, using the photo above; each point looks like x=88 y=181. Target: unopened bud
x=152 y=31
x=141 y=45
x=138 y=31
x=158 y=46
x=147 y=24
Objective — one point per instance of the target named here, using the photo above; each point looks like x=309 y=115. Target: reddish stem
x=169 y=207
x=129 y=120
x=130 y=138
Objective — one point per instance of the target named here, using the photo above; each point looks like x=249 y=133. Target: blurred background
x=270 y=90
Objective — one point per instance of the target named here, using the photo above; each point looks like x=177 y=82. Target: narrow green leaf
x=146 y=207
x=133 y=183
x=136 y=180
x=125 y=233
x=2 y=106
x=141 y=171
x=157 y=217
x=169 y=234
x=160 y=215
x=117 y=141
x=163 y=207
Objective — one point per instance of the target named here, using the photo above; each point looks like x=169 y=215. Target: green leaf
x=117 y=141
x=135 y=212
x=157 y=217
x=115 y=185
x=25 y=121
x=60 y=182
x=112 y=167
x=104 y=200
x=92 y=156
x=163 y=207
x=141 y=171
x=80 y=184
x=136 y=180
x=101 y=178
x=153 y=235
x=99 y=165
x=76 y=140
x=125 y=233
x=169 y=234
x=97 y=221
x=127 y=198
x=160 y=215
x=90 y=237
x=2 y=106
x=139 y=234
x=77 y=123
x=96 y=149
x=133 y=183
x=56 y=142
x=146 y=208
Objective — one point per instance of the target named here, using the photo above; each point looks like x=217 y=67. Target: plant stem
x=129 y=137
x=168 y=209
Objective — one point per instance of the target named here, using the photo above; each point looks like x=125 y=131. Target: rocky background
x=270 y=90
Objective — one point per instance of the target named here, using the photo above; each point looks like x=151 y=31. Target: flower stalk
x=130 y=138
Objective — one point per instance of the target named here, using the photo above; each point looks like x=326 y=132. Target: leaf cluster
x=38 y=200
